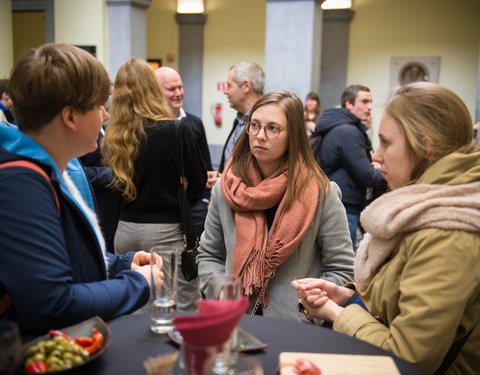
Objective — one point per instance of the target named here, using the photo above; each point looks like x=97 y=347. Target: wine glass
x=9 y=347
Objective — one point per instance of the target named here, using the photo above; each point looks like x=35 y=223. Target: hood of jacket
x=333 y=117
x=453 y=169
x=14 y=141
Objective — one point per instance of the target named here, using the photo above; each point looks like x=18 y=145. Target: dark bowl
x=78 y=330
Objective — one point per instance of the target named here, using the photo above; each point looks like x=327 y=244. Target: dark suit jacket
x=107 y=199
x=198 y=131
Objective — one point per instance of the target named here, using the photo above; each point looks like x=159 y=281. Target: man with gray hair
x=245 y=84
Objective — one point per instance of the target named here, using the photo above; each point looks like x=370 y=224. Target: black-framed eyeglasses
x=271 y=130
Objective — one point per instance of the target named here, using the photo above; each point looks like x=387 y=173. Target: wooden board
x=341 y=364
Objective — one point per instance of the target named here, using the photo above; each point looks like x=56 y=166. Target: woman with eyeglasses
x=274 y=216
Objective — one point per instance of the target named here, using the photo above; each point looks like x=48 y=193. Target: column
x=335 y=41
x=127 y=31
x=293 y=46
x=190 y=59
x=6 y=57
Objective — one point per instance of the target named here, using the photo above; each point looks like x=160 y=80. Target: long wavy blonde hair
x=136 y=100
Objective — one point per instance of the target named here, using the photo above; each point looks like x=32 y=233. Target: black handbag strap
x=453 y=352
x=189 y=238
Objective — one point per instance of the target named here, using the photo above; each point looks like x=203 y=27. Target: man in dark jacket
x=344 y=154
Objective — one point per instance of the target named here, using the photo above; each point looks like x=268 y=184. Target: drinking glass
x=164 y=296
x=227 y=288
x=194 y=357
x=9 y=347
x=243 y=365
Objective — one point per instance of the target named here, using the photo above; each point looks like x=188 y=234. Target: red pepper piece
x=305 y=367
x=39 y=367
x=97 y=338
x=54 y=332
x=83 y=341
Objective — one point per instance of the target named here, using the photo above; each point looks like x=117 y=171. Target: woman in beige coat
x=417 y=270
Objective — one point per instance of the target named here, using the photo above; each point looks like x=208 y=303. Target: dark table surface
x=133 y=342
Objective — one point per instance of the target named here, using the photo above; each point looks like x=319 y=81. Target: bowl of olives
x=67 y=348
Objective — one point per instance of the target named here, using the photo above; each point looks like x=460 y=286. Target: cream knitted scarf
x=410 y=208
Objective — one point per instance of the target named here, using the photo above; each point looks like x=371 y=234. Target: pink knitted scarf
x=258 y=252
x=411 y=208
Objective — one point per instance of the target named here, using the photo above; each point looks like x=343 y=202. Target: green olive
x=32 y=350
x=68 y=356
x=41 y=346
x=78 y=359
x=84 y=354
x=51 y=360
x=49 y=345
x=56 y=353
x=39 y=357
x=58 y=339
x=54 y=367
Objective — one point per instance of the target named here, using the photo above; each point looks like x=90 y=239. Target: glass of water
x=164 y=297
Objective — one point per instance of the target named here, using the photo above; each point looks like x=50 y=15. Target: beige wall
x=6 y=49
x=82 y=23
x=162 y=31
x=234 y=31
x=381 y=29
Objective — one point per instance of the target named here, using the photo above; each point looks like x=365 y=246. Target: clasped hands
x=141 y=264
x=322 y=299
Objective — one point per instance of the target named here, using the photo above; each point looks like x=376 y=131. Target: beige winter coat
x=425 y=293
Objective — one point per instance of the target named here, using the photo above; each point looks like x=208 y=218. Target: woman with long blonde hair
x=140 y=147
x=274 y=215
x=417 y=268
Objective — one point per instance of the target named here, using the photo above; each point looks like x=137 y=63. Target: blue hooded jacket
x=345 y=156
x=53 y=267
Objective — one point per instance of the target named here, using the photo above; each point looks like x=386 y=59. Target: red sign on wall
x=221 y=86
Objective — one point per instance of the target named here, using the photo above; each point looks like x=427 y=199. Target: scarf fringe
x=256 y=273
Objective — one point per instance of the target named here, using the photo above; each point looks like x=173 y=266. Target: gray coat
x=326 y=243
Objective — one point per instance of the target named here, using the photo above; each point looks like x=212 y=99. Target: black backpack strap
x=453 y=352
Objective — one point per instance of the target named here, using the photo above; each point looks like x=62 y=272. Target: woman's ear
x=428 y=145
x=68 y=117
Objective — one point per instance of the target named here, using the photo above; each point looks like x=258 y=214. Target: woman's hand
x=322 y=299
x=152 y=272
x=310 y=125
x=310 y=287
x=142 y=258
x=141 y=264
x=212 y=177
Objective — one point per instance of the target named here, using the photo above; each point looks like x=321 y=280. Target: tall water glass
x=164 y=297
x=9 y=347
x=227 y=288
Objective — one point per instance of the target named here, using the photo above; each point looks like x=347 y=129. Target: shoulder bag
x=190 y=241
